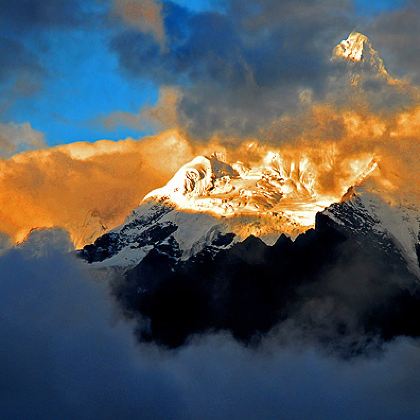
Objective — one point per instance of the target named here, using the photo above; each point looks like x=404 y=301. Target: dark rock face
x=104 y=247
x=109 y=244
x=345 y=283
x=147 y=229
x=143 y=229
x=418 y=251
x=334 y=284
x=358 y=224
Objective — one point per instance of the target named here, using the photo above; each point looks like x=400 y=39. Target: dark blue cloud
x=375 y=7
x=33 y=14
x=17 y=61
x=61 y=356
x=241 y=67
x=22 y=26
x=396 y=35
x=21 y=23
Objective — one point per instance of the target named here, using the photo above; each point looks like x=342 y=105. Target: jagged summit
x=274 y=185
x=215 y=201
x=158 y=228
x=354 y=47
x=357 y=48
x=211 y=204
x=195 y=179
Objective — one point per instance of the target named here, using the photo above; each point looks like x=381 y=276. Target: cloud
x=244 y=66
x=85 y=188
x=15 y=138
x=144 y=15
x=89 y=188
x=240 y=68
x=65 y=354
x=27 y=26
x=162 y=115
x=28 y=15
x=348 y=291
x=21 y=71
x=5 y=242
x=61 y=355
x=395 y=33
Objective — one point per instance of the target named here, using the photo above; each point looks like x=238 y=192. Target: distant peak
x=352 y=48
x=279 y=192
x=358 y=49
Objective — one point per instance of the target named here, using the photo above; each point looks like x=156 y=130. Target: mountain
x=167 y=221
x=212 y=204
x=365 y=216
x=358 y=51
x=354 y=48
x=224 y=247
x=292 y=241
x=349 y=281
x=155 y=224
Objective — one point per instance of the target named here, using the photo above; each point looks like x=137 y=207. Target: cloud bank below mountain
x=66 y=354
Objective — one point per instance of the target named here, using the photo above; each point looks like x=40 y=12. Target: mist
x=67 y=352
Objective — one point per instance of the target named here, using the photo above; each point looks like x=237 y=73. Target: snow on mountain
x=153 y=225
x=211 y=204
x=281 y=194
x=365 y=215
x=358 y=49
x=352 y=48
x=208 y=199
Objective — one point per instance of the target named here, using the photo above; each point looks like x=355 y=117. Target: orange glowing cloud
x=85 y=188
x=337 y=141
x=89 y=188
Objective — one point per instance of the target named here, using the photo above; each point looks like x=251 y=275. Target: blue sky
x=84 y=82
x=373 y=7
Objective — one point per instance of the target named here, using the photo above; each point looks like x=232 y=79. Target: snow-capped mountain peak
x=211 y=204
x=357 y=49
x=367 y=216
x=275 y=184
x=353 y=47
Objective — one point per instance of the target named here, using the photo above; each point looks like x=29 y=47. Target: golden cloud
x=85 y=188
x=89 y=188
